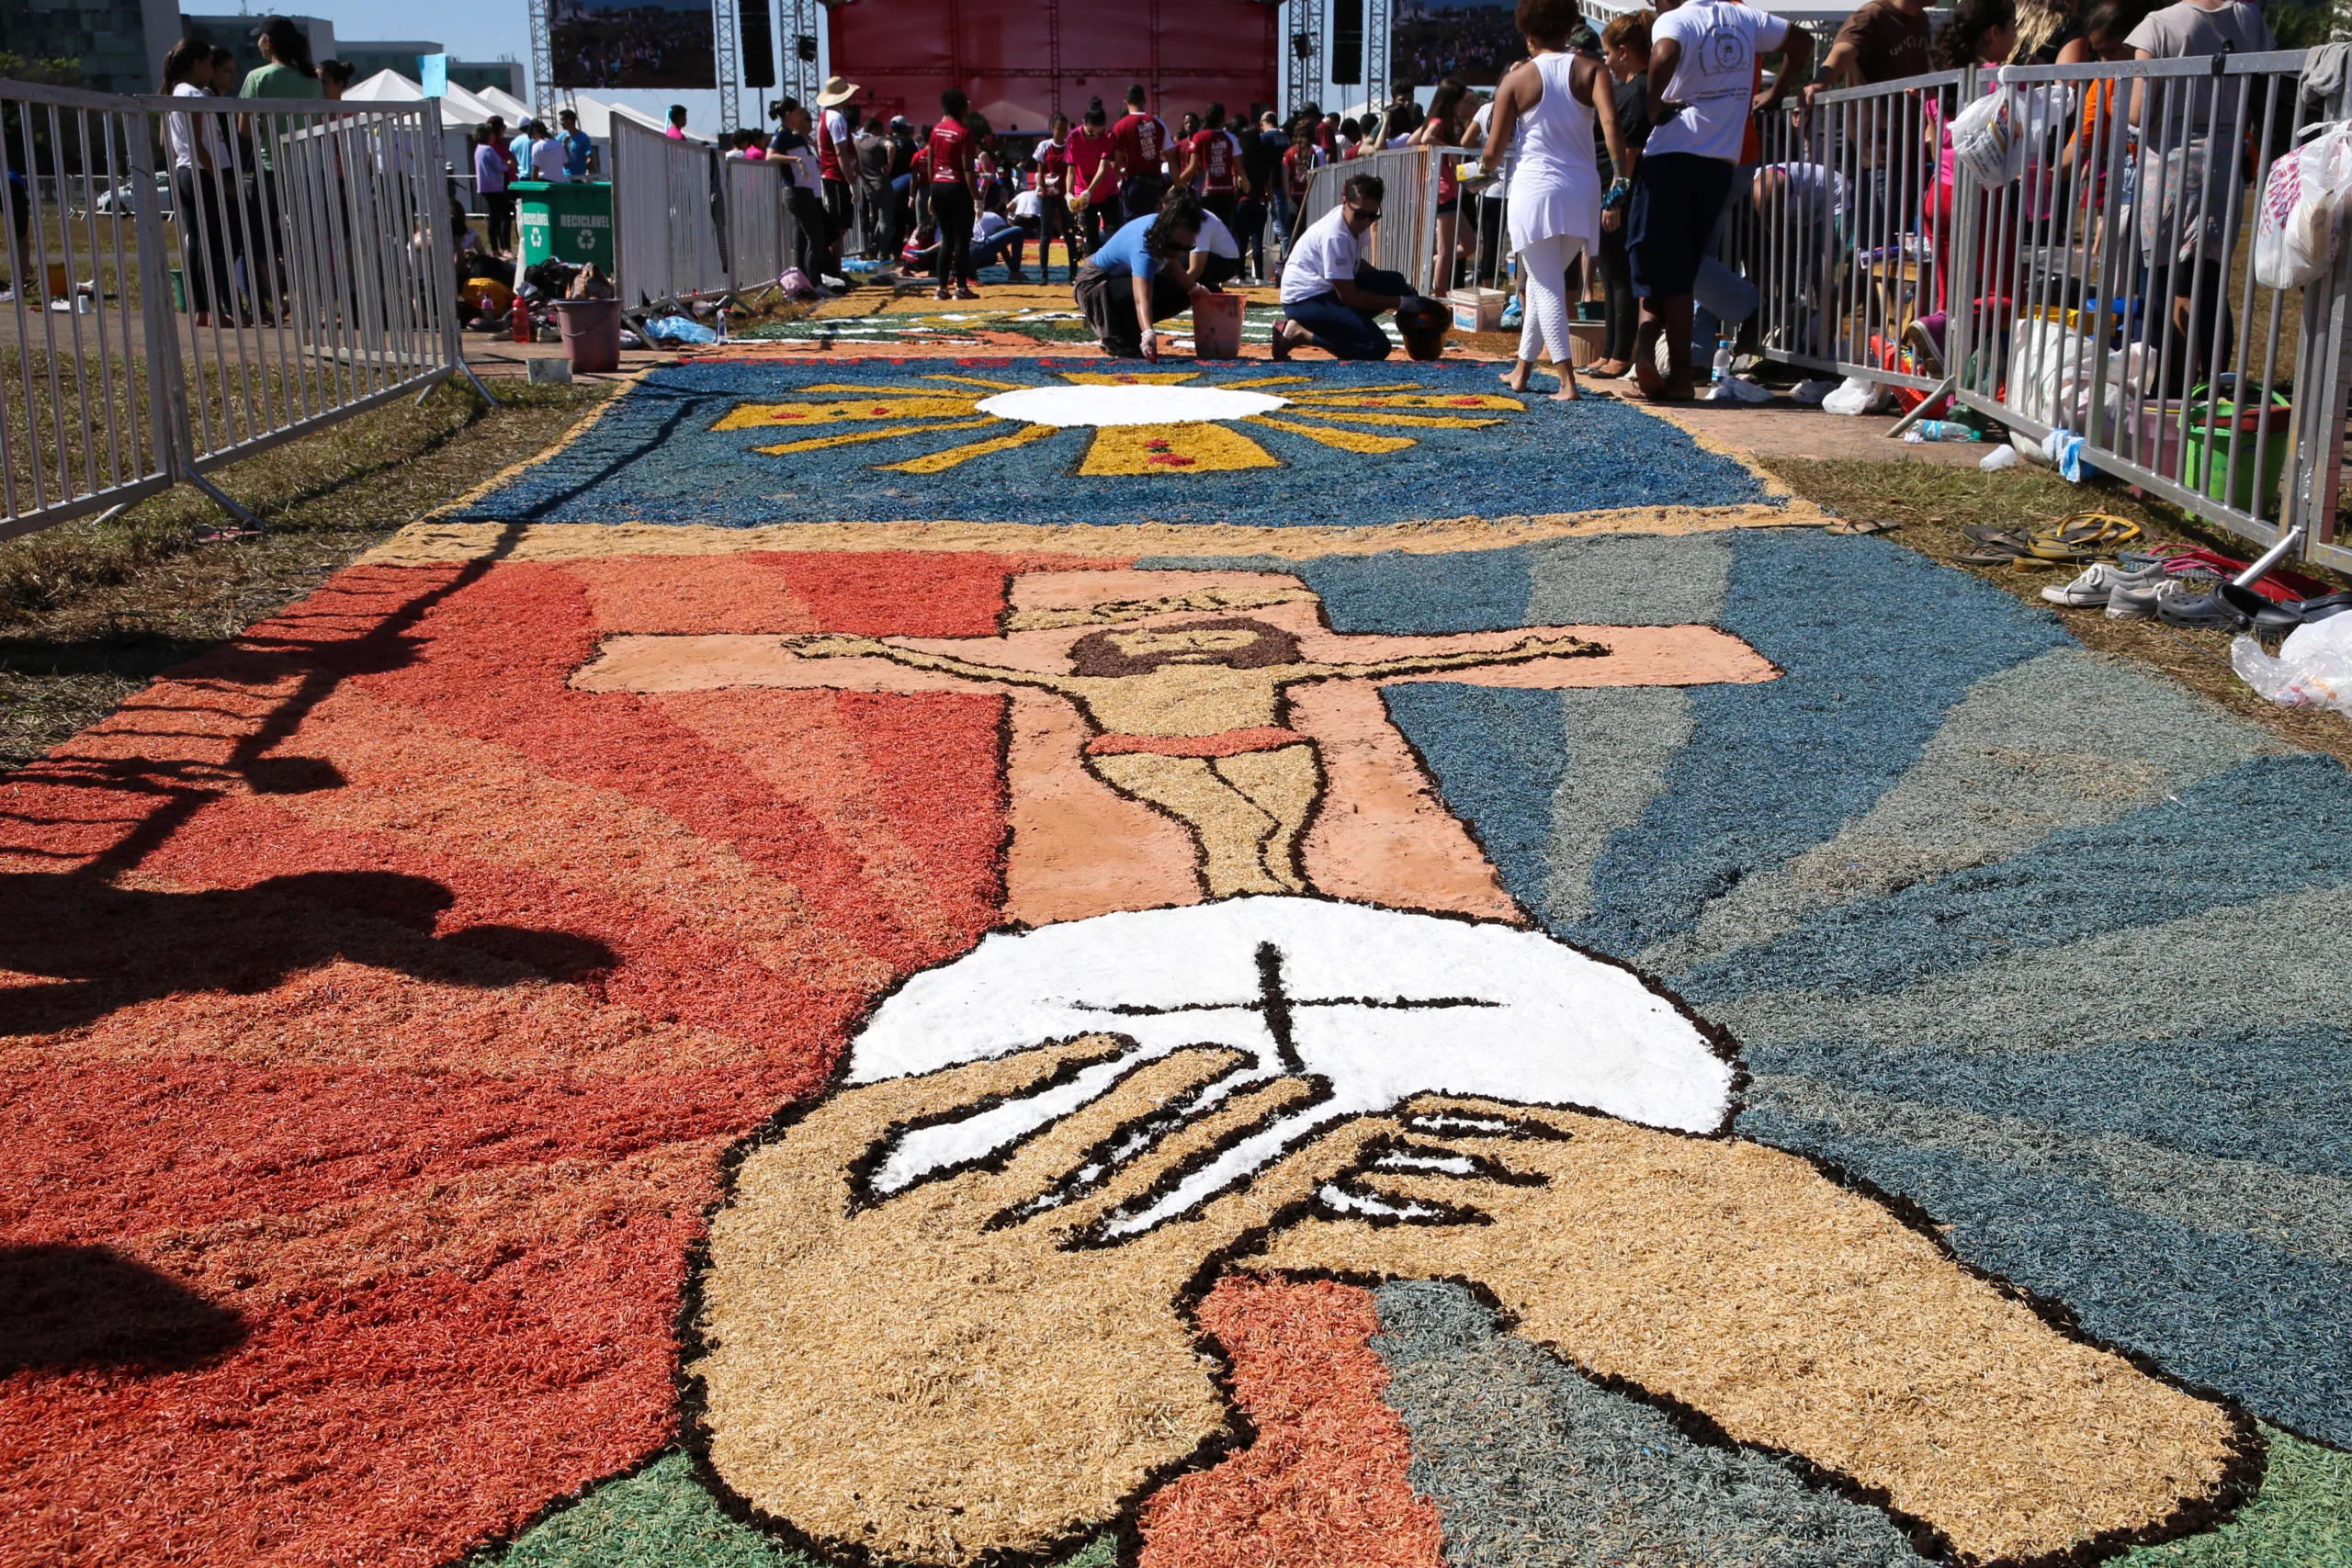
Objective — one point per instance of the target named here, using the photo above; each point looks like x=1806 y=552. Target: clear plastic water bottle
x=1722 y=362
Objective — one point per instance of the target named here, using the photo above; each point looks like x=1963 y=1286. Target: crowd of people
x=1604 y=166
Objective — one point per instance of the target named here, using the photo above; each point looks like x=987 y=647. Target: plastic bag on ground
x=1740 y=389
x=1857 y=396
x=2313 y=668
x=679 y=328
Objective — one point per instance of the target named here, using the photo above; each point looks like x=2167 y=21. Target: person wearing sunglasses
x=1331 y=298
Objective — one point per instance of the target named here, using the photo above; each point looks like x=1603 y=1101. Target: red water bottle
x=522 y=321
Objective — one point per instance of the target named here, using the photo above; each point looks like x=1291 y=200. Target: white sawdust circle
x=1069 y=407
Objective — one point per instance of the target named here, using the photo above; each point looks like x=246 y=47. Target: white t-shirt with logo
x=1217 y=240
x=1715 y=79
x=1326 y=252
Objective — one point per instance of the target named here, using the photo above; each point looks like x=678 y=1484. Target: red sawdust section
x=330 y=1050
x=629 y=594
x=1325 y=1482
x=871 y=769
x=494 y=665
x=914 y=592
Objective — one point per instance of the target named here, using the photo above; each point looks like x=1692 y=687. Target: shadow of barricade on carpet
x=68 y=1307
x=102 y=948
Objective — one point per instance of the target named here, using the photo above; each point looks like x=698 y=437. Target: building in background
x=120 y=44
x=473 y=75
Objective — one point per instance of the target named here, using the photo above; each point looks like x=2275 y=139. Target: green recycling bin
x=573 y=222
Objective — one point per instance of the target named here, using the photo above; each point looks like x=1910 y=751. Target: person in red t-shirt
x=1140 y=144
x=955 y=195
x=835 y=157
x=1054 y=187
x=1094 y=173
x=1212 y=158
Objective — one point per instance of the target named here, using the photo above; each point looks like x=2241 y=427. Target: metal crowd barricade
x=194 y=279
x=756 y=240
x=1842 y=229
x=1406 y=240
x=80 y=428
x=2110 y=289
x=668 y=207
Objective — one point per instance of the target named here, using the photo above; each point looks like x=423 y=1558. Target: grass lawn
x=90 y=610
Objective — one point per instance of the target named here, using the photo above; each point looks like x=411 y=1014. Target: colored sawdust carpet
x=1059 y=440
x=1587 y=1050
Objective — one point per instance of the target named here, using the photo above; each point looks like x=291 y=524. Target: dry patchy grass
x=91 y=611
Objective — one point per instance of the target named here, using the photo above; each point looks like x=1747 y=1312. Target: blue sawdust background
x=656 y=457
x=2112 y=1059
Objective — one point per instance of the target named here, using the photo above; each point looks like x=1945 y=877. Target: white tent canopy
x=597 y=117
x=514 y=110
x=460 y=108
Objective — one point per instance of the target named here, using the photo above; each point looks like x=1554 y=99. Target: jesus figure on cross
x=1189 y=718
x=1173 y=737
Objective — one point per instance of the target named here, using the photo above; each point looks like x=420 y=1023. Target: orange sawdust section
x=1323 y=1483
x=377 y=1008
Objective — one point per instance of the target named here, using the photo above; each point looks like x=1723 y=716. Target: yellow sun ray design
x=754 y=416
x=1187 y=443
x=1129 y=377
x=1351 y=399
x=938 y=462
x=887 y=433
x=978 y=381
x=1423 y=420
x=1131 y=449
x=1345 y=440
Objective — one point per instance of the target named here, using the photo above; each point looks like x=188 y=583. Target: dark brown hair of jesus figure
x=1191 y=720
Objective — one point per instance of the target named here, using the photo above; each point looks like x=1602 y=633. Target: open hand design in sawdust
x=986 y=1348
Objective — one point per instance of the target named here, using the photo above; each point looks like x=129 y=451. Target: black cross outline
x=1277 y=1004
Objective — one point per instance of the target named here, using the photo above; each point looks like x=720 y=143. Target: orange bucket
x=1217 y=326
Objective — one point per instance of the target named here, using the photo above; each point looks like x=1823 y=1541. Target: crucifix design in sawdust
x=1181 y=736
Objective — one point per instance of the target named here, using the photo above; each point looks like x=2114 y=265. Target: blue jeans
x=1343 y=331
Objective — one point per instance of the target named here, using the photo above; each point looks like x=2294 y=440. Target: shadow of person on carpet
x=104 y=947
x=64 y=1307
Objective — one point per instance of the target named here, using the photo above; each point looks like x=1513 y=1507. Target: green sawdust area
x=1932 y=501
x=661 y=1517
x=91 y=611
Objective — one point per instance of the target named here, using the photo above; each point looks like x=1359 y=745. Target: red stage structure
x=1023 y=61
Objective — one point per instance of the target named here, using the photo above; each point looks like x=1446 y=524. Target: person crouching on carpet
x=1139 y=276
x=1331 y=298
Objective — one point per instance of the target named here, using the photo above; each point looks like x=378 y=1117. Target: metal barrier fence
x=1839 y=231
x=1406 y=240
x=757 y=239
x=669 y=217
x=2110 y=290
x=193 y=279
x=2104 y=286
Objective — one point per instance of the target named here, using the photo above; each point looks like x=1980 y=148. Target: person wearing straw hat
x=835 y=157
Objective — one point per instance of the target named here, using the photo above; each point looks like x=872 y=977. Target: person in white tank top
x=1548 y=103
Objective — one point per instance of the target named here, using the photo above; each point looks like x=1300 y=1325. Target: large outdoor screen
x=633 y=43
x=1432 y=40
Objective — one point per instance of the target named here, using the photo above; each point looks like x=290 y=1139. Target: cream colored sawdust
x=1802 y=1318
x=906 y=1379
x=433 y=541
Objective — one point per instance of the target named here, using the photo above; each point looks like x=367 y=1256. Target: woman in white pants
x=1549 y=102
